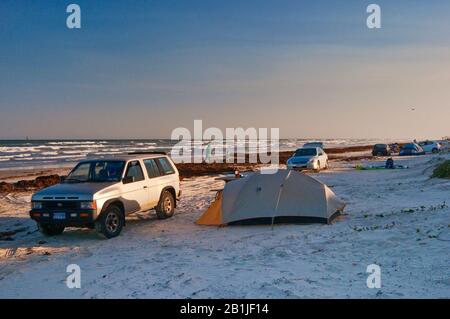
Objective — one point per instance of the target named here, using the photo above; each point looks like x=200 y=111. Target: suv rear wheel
x=110 y=223
x=166 y=205
x=50 y=229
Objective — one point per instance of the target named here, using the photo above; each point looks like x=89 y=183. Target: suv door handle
x=145 y=186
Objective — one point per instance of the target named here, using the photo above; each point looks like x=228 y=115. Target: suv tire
x=166 y=205
x=50 y=229
x=111 y=222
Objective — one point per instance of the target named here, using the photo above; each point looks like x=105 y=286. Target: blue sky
x=139 y=69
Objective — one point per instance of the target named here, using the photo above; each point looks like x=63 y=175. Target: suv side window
x=165 y=166
x=134 y=169
x=152 y=168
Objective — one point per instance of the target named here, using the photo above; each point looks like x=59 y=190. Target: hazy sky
x=139 y=69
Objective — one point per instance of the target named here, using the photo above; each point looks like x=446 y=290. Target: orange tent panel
x=213 y=216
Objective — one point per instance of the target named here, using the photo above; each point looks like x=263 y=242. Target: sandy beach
x=398 y=219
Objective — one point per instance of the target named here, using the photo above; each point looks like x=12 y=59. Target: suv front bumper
x=64 y=217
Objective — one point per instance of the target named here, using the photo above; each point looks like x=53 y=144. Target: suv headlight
x=36 y=205
x=88 y=205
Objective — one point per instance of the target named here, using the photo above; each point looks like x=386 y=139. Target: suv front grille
x=60 y=204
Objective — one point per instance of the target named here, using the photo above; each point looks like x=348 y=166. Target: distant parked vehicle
x=445 y=145
x=430 y=146
x=381 y=150
x=395 y=148
x=313 y=144
x=411 y=149
x=308 y=158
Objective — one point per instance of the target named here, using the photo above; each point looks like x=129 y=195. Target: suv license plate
x=59 y=216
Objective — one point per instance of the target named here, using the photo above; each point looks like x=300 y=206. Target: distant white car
x=430 y=146
x=313 y=158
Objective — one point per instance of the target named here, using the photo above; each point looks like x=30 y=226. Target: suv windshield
x=96 y=171
x=306 y=152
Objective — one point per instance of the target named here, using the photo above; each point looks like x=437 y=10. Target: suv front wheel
x=110 y=223
x=166 y=205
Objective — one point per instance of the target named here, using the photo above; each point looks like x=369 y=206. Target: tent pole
x=276 y=206
x=279 y=197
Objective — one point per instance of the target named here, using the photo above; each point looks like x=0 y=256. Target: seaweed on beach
x=188 y=170
x=24 y=185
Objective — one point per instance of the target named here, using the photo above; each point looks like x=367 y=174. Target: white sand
x=396 y=219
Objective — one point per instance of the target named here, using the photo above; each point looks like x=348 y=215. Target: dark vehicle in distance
x=411 y=149
x=381 y=150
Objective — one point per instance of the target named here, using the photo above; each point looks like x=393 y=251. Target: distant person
x=389 y=163
x=208 y=153
x=395 y=147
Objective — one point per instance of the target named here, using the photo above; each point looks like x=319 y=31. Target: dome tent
x=286 y=195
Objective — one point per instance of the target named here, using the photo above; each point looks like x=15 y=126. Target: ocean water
x=58 y=153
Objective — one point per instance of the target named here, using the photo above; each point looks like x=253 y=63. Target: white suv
x=98 y=193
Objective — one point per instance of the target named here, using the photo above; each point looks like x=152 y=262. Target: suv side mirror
x=128 y=179
x=62 y=179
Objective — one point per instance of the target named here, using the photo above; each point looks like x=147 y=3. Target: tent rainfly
x=286 y=195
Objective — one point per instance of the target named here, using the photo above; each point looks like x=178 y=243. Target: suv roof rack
x=147 y=152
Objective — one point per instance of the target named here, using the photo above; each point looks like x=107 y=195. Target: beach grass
x=442 y=170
